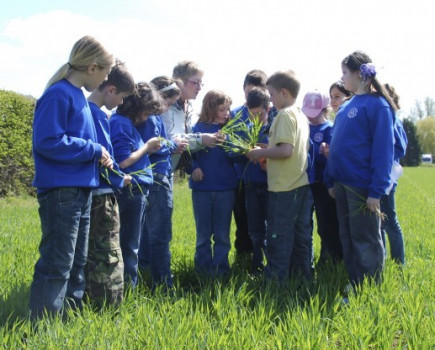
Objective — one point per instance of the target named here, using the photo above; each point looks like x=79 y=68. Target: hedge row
x=16 y=161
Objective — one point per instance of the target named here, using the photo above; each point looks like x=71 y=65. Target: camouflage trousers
x=104 y=270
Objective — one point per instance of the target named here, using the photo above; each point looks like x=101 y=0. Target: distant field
x=241 y=312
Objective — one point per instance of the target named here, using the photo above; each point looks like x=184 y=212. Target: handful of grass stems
x=361 y=201
x=241 y=137
x=105 y=174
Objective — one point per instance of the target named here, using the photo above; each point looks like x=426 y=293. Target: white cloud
x=228 y=38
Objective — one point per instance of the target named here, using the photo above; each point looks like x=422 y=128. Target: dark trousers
x=360 y=234
x=243 y=243
x=327 y=224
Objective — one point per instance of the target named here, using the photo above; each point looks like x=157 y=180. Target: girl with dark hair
x=154 y=250
x=360 y=161
x=131 y=153
x=338 y=94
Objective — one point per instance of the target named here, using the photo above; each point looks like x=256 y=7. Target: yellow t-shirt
x=286 y=174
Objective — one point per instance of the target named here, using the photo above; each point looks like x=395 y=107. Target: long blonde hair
x=85 y=51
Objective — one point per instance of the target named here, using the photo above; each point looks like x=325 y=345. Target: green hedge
x=16 y=160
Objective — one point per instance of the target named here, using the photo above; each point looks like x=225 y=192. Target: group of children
x=105 y=184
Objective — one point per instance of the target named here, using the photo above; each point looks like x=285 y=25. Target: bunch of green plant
x=243 y=137
x=105 y=174
x=233 y=125
x=361 y=204
x=165 y=142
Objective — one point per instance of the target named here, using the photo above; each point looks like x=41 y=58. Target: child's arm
x=151 y=146
x=278 y=151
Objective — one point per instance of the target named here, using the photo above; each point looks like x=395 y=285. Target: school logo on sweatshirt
x=318 y=137
x=352 y=113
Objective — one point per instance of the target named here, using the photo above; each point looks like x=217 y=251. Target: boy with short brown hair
x=288 y=239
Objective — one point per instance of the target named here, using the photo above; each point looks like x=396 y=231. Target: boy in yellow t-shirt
x=288 y=239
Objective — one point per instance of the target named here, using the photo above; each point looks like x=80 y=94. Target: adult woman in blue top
x=360 y=161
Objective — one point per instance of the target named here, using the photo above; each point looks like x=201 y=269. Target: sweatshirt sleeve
x=382 y=131
x=52 y=140
x=122 y=141
x=152 y=128
x=400 y=140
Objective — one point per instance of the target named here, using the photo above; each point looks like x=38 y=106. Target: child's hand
x=127 y=180
x=255 y=154
x=181 y=145
x=331 y=192
x=221 y=138
x=197 y=175
x=210 y=140
x=324 y=149
x=373 y=204
x=153 y=145
x=106 y=160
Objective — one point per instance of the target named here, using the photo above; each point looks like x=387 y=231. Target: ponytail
x=85 y=51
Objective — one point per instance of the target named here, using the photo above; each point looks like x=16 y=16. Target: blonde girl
x=67 y=158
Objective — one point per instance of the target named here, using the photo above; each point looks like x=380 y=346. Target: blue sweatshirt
x=65 y=148
x=126 y=140
x=102 y=126
x=161 y=159
x=215 y=163
x=318 y=134
x=362 y=146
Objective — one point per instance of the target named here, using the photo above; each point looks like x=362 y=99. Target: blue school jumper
x=102 y=127
x=65 y=145
x=362 y=147
x=126 y=140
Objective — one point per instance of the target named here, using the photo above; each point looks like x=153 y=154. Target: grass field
x=241 y=312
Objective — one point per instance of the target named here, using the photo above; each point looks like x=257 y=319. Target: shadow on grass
x=15 y=307
x=253 y=290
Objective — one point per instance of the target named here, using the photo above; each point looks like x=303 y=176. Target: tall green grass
x=241 y=311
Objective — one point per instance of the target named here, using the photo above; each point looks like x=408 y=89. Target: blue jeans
x=360 y=234
x=288 y=237
x=132 y=205
x=154 y=249
x=212 y=211
x=59 y=272
x=256 y=208
x=391 y=226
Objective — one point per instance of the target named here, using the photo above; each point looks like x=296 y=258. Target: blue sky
x=227 y=38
